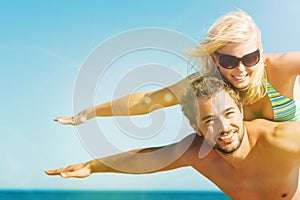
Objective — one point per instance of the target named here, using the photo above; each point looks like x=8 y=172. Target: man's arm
x=140 y=161
x=286 y=63
x=284 y=135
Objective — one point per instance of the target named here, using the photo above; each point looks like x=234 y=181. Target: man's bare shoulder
x=276 y=137
x=191 y=143
x=193 y=140
x=278 y=61
x=261 y=121
x=259 y=128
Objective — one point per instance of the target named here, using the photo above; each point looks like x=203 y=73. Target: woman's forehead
x=239 y=49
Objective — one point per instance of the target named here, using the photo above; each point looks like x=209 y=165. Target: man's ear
x=196 y=129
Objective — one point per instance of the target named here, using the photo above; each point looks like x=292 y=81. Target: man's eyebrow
x=230 y=108
x=207 y=117
x=211 y=116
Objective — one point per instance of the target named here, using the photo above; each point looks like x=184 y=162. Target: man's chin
x=226 y=151
x=228 y=148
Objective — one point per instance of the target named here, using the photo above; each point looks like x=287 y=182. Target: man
x=246 y=160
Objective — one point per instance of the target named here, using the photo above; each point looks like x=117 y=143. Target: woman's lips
x=240 y=78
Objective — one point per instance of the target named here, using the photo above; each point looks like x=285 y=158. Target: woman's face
x=241 y=75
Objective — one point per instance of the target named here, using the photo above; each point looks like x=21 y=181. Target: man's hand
x=73 y=171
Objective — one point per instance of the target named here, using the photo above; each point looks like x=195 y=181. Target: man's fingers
x=54 y=171
x=68 y=174
x=60 y=170
x=81 y=173
x=75 y=171
x=76 y=174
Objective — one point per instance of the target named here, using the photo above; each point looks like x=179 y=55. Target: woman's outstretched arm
x=134 y=104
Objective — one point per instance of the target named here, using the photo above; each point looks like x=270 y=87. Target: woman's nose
x=241 y=66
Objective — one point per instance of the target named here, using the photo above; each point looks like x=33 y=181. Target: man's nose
x=225 y=125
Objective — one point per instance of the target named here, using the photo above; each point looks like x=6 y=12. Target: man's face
x=220 y=121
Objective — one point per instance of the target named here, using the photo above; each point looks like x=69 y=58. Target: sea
x=110 y=195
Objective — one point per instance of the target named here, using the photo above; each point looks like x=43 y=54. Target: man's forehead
x=221 y=100
x=217 y=103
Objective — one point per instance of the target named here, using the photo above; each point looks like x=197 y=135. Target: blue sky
x=43 y=45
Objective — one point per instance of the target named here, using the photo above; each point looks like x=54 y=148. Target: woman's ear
x=196 y=129
x=214 y=58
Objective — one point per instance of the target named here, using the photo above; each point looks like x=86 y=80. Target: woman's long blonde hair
x=234 y=27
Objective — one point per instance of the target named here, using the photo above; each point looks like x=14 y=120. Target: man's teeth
x=226 y=137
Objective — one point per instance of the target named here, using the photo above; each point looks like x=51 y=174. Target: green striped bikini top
x=285 y=109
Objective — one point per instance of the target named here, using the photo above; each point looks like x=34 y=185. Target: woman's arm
x=134 y=104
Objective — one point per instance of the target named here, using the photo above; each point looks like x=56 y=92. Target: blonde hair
x=234 y=27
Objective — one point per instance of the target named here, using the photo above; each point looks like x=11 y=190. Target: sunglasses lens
x=251 y=59
x=228 y=61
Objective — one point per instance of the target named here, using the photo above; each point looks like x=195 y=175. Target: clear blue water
x=111 y=195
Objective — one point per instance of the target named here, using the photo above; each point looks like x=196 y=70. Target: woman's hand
x=65 y=120
x=76 y=119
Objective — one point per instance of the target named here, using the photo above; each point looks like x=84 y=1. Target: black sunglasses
x=230 y=62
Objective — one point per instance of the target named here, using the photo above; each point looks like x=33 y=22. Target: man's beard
x=224 y=151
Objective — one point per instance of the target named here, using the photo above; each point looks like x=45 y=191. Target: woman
x=267 y=83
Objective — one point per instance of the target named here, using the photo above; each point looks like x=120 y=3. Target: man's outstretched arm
x=284 y=136
x=140 y=161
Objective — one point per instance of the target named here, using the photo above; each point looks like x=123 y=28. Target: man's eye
x=209 y=121
x=230 y=113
